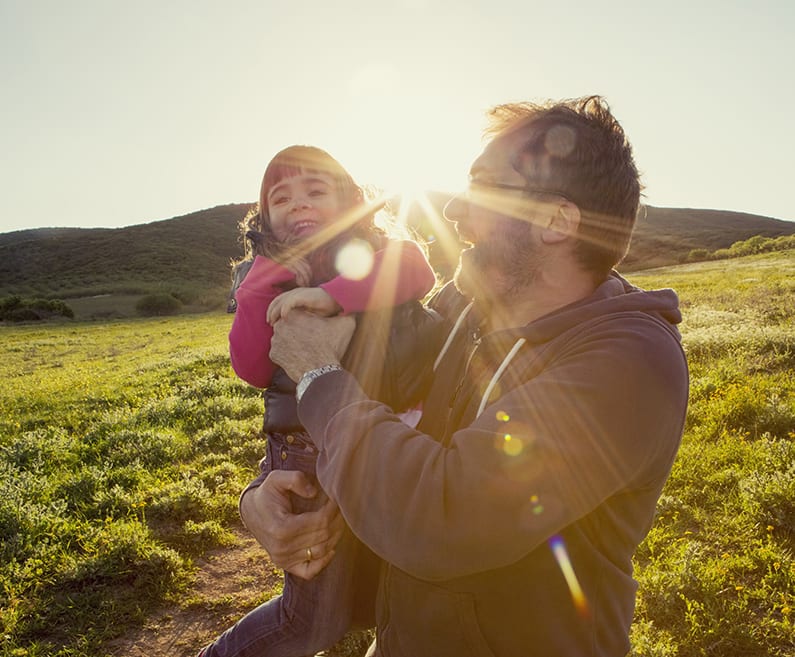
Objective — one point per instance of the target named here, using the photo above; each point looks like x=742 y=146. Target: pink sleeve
x=250 y=335
x=400 y=273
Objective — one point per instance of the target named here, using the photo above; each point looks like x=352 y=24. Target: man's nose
x=456 y=209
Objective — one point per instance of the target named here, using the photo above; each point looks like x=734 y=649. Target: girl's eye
x=318 y=192
x=279 y=200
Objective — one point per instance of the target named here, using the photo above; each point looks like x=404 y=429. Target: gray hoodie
x=509 y=518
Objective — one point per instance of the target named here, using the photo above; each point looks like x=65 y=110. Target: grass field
x=716 y=573
x=124 y=445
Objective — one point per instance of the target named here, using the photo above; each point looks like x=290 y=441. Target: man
x=507 y=520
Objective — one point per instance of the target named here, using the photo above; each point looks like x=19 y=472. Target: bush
x=698 y=255
x=158 y=304
x=751 y=246
x=16 y=309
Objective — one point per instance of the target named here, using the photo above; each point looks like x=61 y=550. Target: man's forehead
x=499 y=157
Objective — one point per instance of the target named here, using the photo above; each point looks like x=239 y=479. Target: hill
x=665 y=236
x=189 y=255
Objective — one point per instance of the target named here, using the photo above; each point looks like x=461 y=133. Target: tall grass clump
x=716 y=573
x=123 y=448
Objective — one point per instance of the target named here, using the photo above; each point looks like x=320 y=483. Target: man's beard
x=501 y=266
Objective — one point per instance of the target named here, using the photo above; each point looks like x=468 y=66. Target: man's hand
x=267 y=513
x=303 y=341
x=312 y=299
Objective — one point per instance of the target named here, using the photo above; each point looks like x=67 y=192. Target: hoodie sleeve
x=602 y=421
x=400 y=273
x=250 y=335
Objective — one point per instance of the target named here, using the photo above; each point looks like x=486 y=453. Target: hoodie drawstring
x=452 y=334
x=506 y=361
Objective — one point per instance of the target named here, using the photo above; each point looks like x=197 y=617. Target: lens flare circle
x=355 y=260
x=512 y=445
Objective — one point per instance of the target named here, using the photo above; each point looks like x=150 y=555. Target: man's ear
x=562 y=224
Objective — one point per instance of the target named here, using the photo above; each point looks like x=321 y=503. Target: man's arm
x=575 y=435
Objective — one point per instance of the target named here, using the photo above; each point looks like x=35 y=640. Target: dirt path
x=229 y=582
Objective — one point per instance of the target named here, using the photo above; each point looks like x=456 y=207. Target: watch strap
x=310 y=376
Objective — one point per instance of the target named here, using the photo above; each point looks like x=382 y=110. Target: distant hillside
x=190 y=255
x=666 y=235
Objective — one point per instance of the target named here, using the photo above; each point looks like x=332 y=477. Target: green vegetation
x=751 y=246
x=124 y=445
x=123 y=448
x=158 y=304
x=17 y=309
x=187 y=257
x=716 y=573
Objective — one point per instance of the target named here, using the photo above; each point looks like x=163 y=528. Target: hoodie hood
x=615 y=295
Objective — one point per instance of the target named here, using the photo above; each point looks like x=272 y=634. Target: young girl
x=311 y=214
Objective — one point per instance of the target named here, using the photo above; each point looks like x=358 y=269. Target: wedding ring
x=308 y=554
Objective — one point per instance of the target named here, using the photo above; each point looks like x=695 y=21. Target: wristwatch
x=310 y=376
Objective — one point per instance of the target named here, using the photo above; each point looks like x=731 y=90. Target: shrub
x=751 y=246
x=697 y=255
x=158 y=304
x=16 y=309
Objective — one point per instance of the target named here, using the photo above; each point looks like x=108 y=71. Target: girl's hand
x=313 y=299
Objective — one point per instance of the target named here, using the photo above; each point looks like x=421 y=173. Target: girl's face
x=302 y=205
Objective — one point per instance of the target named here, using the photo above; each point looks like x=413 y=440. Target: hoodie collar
x=614 y=295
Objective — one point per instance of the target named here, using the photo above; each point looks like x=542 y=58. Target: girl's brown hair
x=358 y=220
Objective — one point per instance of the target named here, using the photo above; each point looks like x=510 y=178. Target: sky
x=120 y=113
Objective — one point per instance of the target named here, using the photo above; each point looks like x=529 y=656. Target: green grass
x=124 y=445
x=716 y=573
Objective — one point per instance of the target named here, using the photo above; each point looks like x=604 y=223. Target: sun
x=406 y=137
x=405 y=133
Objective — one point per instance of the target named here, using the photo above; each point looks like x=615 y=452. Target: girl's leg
x=309 y=616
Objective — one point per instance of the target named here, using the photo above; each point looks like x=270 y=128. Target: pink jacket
x=400 y=273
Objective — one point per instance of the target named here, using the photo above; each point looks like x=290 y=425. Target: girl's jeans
x=309 y=616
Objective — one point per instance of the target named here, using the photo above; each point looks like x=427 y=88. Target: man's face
x=496 y=218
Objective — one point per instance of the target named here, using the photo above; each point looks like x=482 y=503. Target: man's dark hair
x=577 y=148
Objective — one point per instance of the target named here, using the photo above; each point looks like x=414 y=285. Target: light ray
x=562 y=557
x=444 y=236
